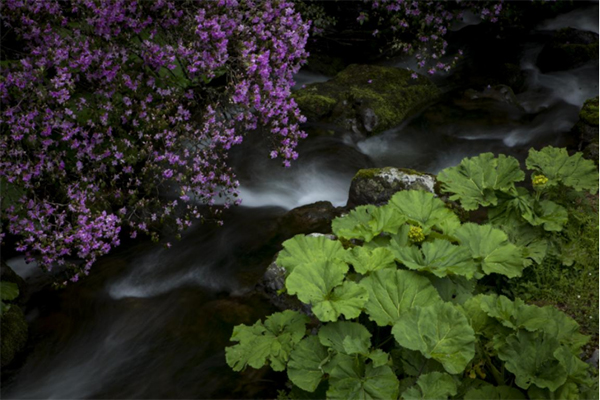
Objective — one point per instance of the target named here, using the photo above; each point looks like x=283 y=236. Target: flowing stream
x=153 y=323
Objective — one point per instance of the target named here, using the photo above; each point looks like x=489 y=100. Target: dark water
x=153 y=323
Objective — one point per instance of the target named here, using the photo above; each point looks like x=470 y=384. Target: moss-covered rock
x=589 y=112
x=586 y=132
x=569 y=48
x=377 y=185
x=366 y=99
x=14 y=334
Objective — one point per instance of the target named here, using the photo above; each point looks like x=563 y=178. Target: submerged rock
x=377 y=185
x=474 y=113
x=366 y=99
x=569 y=48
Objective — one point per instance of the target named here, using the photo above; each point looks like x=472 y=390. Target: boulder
x=377 y=185
x=569 y=48
x=273 y=282
x=366 y=99
x=309 y=218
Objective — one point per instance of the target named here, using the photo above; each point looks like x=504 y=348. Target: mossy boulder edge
x=366 y=99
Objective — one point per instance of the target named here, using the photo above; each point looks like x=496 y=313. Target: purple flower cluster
x=114 y=104
x=419 y=28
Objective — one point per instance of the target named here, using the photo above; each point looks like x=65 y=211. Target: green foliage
x=8 y=291
x=477 y=181
x=434 y=385
x=399 y=315
x=269 y=342
x=572 y=171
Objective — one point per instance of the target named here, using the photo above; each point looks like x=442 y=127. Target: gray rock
x=593 y=361
x=377 y=185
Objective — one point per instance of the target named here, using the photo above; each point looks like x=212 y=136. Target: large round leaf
x=307 y=249
x=556 y=164
x=530 y=356
x=491 y=249
x=352 y=379
x=394 y=292
x=431 y=386
x=272 y=341
x=305 y=365
x=422 y=208
x=346 y=337
x=440 y=332
x=439 y=257
x=364 y=260
x=475 y=180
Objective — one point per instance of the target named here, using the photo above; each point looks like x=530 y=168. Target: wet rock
x=476 y=113
x=273 y=283
x=569 y=48
x=271 y=286
x=14 y=334
x=474 y=99
x=309 y=218
x=378 y=185
x=366 y=99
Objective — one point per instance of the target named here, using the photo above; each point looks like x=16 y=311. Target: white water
x=583 y=19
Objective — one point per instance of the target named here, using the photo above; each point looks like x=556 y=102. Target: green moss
x=579 y=53
x=589 y=112
x=390 y=92
x=314 y=105
x=14 y=334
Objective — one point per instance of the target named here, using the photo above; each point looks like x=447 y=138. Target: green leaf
x=413 y=363
x=393 y=293
x=270 y=342
x=501 y=308
x=572 y=171
x=423 y=209
x=366 y=222
x=568 y=391
x=346 y=337
x=491 y=249
x=512 y=207
x=490 y=392
x=550 y=215
x=364 y=260
x=455 y=289
x=306 y=249
x=379 y=357
x=439 y=257
x=435 y=385
x=8 y=291
x=352 y=379
x=577 y=370
x=348 y=299
x=530 y=356
x=305 y=368
x=440 y=332
x=529 y=239
x=475 y=180
x=481 y=322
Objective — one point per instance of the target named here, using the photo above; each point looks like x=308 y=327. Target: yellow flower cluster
x=415 y=234
x=539 y=181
